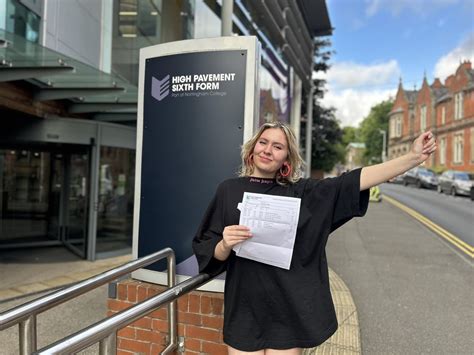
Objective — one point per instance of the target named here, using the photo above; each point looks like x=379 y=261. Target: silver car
x=455 y=182
x=421 y=177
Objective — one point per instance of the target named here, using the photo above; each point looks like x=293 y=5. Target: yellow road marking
x=466 y=248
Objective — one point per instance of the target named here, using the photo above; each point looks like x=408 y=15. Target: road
x=413 y=293
x=453 y=213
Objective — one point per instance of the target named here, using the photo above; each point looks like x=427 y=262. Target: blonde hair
x=294 y=158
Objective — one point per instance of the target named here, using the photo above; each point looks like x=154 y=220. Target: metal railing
x=105 y=331
x=25 y=314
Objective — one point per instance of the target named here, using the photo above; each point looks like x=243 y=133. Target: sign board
x=197 y=104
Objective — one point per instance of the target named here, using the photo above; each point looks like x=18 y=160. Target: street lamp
x=384 y=144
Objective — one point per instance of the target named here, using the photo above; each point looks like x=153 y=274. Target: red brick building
x=447 y=110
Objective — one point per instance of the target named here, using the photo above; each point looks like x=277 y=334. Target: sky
x=377 y=42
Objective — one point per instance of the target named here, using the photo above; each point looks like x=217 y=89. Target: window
x=22 y=21
x=396 y=126
x=423 y=118
x=442 y=151
x=399 y=126
x=443 y=115
x=458 y=106
x=458 y=148
x=139 y=19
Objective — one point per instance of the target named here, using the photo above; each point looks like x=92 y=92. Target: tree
x=350 y=135
x=327 y=149
x=370 y=128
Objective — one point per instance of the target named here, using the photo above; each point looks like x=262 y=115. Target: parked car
x=421 y=177
x=456 y=182
x=397 y=179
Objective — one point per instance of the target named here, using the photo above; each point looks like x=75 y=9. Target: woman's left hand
x=424 y=145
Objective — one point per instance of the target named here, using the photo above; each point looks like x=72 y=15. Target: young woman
x=270 y=310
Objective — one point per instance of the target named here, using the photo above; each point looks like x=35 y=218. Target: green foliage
x=350 y=135
x=370 y=131
x=327 y=148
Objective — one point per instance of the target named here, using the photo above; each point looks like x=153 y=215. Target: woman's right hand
x=233 y=235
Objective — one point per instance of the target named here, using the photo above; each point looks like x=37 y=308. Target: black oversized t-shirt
x=267 y=306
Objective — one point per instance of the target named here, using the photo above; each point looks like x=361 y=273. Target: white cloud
x=448 y=63
x=395 y=7
x=352 y=106
x=353 y=89
x=346 y=75
x=372 y=7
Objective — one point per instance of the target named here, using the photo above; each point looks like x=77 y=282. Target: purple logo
x=160 y=88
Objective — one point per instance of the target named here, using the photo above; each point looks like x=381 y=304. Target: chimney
x=449 y=80
x=437 y=84
x=466 y=65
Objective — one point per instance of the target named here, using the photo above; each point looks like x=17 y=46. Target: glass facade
x=22 y=21
x=116 y=191
x=143 y=23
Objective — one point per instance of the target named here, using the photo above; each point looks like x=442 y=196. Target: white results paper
x=273 y=221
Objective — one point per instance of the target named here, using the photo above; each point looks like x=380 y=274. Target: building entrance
x=44 y=192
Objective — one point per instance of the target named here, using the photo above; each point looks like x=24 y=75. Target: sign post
x=198 y=103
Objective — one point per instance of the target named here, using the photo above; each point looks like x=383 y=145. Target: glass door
x=76 y=201
x=44 y=196
x=56 y=200
x=25 y=198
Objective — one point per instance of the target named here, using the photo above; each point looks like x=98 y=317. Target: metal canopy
x=56 y=76
x=8 y=73
x=66 y=93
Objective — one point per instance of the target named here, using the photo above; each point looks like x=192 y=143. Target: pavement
x=27 y=272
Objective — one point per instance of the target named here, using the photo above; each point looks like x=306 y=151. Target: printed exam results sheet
x=273 y=221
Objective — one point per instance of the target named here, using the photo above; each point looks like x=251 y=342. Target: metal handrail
x=105 y=331
x=25 y=314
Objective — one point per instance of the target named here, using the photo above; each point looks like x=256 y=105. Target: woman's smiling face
x=269 y=153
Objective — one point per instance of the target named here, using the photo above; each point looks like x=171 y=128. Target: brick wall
x=200 y=320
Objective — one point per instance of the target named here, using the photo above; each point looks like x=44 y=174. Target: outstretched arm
x=421 y=149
